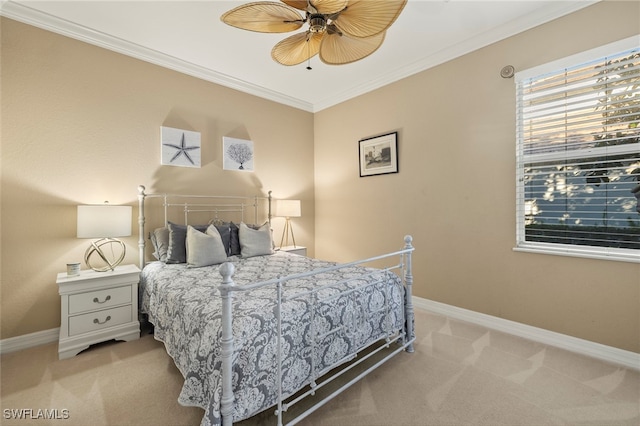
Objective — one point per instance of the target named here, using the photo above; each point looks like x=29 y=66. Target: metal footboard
x=403 y=338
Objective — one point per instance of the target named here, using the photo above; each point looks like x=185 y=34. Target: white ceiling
x=189 y=37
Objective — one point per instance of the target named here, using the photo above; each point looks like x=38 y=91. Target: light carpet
x=460 y=374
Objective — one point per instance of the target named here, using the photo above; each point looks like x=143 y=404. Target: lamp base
x=288 y=228
x=96 y=249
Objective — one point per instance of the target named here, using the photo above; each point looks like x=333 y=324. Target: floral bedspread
x=347 y=311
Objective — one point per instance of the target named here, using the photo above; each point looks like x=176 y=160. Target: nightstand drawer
x=101 y=299
x=98 y=320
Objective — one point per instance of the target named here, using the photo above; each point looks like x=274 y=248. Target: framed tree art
x=237 y=154
x=379 y=155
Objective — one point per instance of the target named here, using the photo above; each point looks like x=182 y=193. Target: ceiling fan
x=340 y=31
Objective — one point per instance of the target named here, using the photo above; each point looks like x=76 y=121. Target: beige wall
x=81 y=124
x=455 y=192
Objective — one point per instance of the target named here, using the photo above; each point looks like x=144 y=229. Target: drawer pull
x=96 y=321
x=95 y=300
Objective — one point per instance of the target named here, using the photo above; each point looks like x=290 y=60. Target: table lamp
x=105 y=222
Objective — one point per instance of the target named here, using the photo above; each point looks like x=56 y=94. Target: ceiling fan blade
x=264 y=17
x=297 y=48
x=366 y=18
x=298 y=4
x=329 y=7
x=326 y=7
x=337 y=49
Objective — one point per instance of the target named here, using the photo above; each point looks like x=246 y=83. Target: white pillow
x=255 y=242
x=204 y=249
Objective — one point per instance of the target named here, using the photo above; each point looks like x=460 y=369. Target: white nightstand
x=97 y=306
x=302 y=251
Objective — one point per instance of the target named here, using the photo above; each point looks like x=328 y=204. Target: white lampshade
x=104 y=221
x=288 y=208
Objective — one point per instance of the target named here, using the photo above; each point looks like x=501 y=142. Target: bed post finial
x=226 y=343
x=408 y=282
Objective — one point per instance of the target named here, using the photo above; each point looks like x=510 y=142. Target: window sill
x=588 y=253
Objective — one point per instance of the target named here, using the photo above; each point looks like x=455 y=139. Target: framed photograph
x=379 y=155
x=237 y=154
x=179 y=147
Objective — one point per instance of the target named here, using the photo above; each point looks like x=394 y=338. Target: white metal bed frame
x=234 y=204
x=403 y=340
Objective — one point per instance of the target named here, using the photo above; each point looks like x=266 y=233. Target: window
x=578 y=154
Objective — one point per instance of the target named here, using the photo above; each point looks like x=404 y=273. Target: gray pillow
x=255 y=242
x=225 y=232
x=234 y=240
x=160 y=240
x=204 y=249
x=177 y=251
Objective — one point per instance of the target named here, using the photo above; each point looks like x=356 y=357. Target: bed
x=256 y=328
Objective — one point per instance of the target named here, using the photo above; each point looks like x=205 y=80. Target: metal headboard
x=215 y=204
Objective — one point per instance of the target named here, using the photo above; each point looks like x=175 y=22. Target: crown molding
x=449 y=53
x=27 y=15
x=20 y=12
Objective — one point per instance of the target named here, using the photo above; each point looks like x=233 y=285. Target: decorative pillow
x=234 y=240
x=177 y=251
x=160 y=240
x=204 y=249
x=255 y=242
x=225 y=233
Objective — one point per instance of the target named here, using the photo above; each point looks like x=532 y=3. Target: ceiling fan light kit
x=339 y=31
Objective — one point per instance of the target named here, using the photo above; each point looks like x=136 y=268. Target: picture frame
x=237 y=154
x=379 y=155
x=179 y=147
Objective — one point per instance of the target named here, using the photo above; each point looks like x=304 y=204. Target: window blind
x=578 y=156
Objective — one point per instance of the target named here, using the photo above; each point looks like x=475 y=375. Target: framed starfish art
x=179 y=147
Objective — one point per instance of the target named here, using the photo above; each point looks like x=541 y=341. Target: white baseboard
x=26 y=341
x=606 y=353
x=585 y=347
